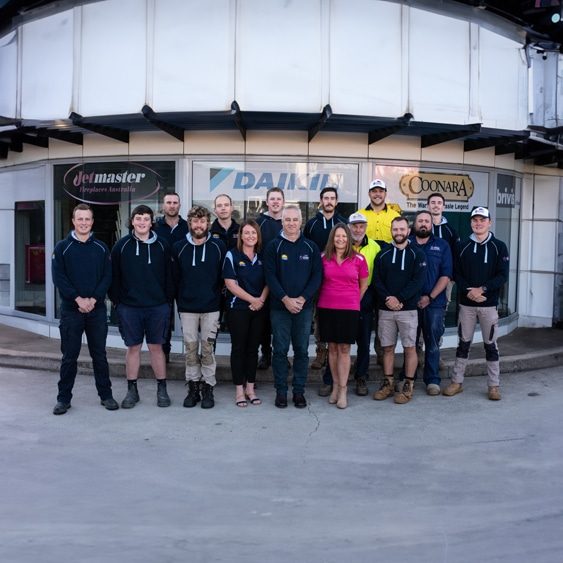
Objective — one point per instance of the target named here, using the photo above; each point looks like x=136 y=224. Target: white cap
x=377 y=183
x=482 y=211
x=357 y=218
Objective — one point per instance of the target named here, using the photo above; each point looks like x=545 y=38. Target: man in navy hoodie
x=399 y=274
x=82 y=273
x=293 y=269
x=198 y=264
x=142 y=290
x=317 y=229
x=172 y=228
x=481 y=270
x=270 y=223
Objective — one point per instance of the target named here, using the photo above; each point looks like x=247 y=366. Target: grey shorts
x=392 y=323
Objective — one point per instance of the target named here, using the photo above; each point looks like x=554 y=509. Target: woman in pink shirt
x=345 y=280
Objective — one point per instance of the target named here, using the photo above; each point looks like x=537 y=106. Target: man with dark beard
x=399 y=274
x=432 y=302
x=198 y=263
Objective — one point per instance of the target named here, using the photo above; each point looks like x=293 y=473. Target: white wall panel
x=544 y=247
x=47 y=67
x=8 y=74
x=546 y=194
x=113 y=70
x=438 y=67
x=193 y=55
x=502 y=82
x=365 y=58
x=279 y=55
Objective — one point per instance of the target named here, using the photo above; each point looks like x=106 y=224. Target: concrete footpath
x=523 y=349
x=451 y=480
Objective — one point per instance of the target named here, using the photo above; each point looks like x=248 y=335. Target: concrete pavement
x=453 y=480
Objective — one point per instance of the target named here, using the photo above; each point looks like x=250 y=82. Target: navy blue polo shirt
x=249 y=274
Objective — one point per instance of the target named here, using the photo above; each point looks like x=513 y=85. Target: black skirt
x=338 y=325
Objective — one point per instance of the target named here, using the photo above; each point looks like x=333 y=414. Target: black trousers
x=247 y=329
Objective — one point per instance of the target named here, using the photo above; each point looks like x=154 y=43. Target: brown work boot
x=385 y=391
x=405 y=394
x=452 y=389
x=494 y=393
x=320 y=360
x=325 y=389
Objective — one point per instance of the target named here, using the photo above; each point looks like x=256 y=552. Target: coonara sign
x=454 y=187
x=111 y=182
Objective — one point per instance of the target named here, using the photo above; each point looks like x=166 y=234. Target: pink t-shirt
x=341 y=283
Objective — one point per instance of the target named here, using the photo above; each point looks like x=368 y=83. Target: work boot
x=193 y=397
x=132 y=397
x=385 y=391
x=265 y=361
x=452 y=389
x=61 y=408
x=325 y=389
x=494 y=393
x=361 y=387
x=207 y=400
x=162 y=398
x=405 y=394
x=320 y=360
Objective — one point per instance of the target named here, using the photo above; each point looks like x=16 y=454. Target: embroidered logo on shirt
x=304 y=257
x=284 y=257
x=242 y=263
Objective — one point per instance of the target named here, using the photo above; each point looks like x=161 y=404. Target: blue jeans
x=72 y=324
x=287 y=328
x=431 y=323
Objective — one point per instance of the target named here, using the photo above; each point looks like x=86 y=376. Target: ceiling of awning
x=540 y=146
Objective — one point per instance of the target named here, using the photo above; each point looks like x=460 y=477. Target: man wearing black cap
x=378 y=214
x=482 y=266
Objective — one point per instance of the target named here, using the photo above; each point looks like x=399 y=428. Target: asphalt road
x=459 y=479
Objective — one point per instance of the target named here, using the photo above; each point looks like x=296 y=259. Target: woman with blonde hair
x=345 y=280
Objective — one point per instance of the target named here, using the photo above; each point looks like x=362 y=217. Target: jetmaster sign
x=111 y=182
x=253 y=179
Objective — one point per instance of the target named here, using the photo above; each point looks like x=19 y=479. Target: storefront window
x=112 y=189
x=247 y=183
x=30 y=257
x=507 y=228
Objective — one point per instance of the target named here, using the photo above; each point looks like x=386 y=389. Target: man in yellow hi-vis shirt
x=378 y=214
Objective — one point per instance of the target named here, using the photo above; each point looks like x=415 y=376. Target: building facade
x=115 y=102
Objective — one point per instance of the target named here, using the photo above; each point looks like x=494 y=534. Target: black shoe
x=167 y=357
x=132 y=397
x=361 y=387
x=281 y=400
x=193 y=397
x=110 y=404
x=61 y=408
x=162 y=398
x=264 y=362
x=207 y=400
x=299 y=400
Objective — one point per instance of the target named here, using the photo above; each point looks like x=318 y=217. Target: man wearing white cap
x=482 y=267
x=378 y=214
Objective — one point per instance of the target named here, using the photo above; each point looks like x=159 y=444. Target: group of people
x=268 y=278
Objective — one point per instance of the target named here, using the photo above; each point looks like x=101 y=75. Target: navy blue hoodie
x=400 y=273
x=481 y=264
x=81 y=269
x=142 y=272
x=318 y=228
x=197 y=273
x=163 y=230
x=292 y=269
x=270 y=228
